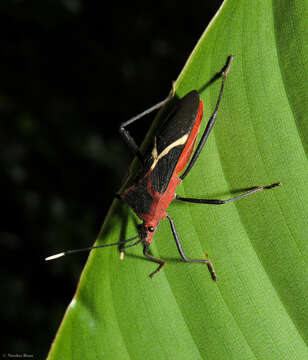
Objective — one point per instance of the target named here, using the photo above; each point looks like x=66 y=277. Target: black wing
x=181 y=122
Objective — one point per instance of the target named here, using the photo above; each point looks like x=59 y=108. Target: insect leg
x=161 y=262
x=122 y=247
x=220 y=202
x=184 y=257
x=128 y=139
x=210 y=123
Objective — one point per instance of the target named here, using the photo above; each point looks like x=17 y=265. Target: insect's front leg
x=161 y=262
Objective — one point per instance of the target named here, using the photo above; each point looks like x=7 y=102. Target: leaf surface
x=259 y=244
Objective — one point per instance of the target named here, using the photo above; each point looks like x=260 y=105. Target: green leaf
x=259 y=244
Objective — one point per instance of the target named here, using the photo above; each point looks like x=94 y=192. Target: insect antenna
x=52 y=257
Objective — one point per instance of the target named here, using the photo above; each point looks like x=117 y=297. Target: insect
x=168 y=162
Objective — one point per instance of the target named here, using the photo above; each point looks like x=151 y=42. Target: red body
x=161 y=201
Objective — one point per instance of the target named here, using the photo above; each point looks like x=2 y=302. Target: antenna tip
x=52 y=257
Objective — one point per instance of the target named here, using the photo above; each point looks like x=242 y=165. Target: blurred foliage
x=65 y=66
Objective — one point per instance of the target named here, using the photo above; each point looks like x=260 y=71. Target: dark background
x=70 y=73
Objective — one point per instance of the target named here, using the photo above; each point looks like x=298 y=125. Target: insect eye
x=151 y=228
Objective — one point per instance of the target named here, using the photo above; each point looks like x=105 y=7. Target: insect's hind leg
x=128 y=139
x=211 y=121
x=130 y=142
x=184 y=257
x=162 y=263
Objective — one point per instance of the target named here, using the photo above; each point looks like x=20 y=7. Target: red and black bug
x=172 y=152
